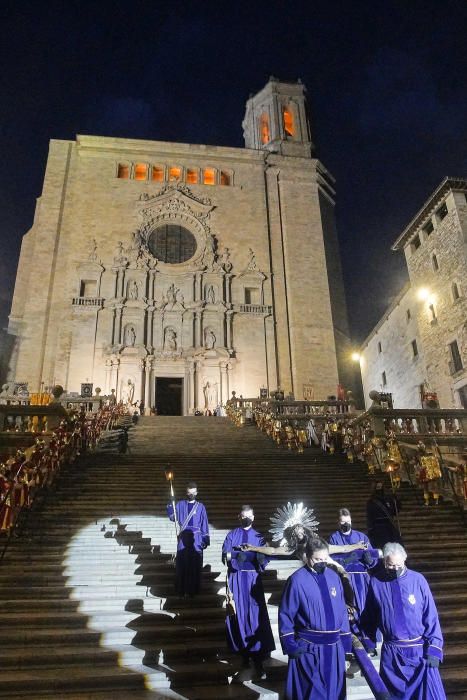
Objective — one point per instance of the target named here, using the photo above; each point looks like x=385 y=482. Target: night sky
x=386 y=88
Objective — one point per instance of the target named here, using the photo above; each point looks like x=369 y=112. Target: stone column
x=117 y=275
x=108 y=376
x=122 y=282
x=228 y=328
x=118 y=324
x=191 y=388
x=147 y=382
x=198 y=337
x=152 y=284
x=114 y=375
x=224 y=388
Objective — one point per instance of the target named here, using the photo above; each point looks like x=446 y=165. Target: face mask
x=191 y=496
x=319 y=567
x=246 y=522
x=345 y=527
x=392 y=574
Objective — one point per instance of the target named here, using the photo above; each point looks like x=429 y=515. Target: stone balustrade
x=442 y=431
x=31 y=419
x=87 y=301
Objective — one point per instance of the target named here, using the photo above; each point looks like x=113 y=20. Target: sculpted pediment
x=176 y=199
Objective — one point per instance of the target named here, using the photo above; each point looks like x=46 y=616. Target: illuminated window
x=175 y=173
x=264 y=128
x=157 y=173
x=192 y=176
x=225 y=178
x=123 y=171
x=88 y=288
x=209 y=176
x=141 y=171
x=288 y=122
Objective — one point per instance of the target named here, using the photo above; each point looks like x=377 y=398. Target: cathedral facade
x=176 y=273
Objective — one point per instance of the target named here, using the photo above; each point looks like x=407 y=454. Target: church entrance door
x=169 y=396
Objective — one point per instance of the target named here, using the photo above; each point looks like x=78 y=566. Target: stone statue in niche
x=171 y=295
x=120 y=257
x=211 y=295
x=210 y=395
x=93 y=251
x=128 y=391
x=170 y=339
x=209 y=339
x=209 y=252
x=133 y=290
x=252 y=264
x=130 y=336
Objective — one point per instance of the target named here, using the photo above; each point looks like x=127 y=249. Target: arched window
x=123 y=171
x=192 y=176
x=288 y=121
x=225 y=178
x=141 y=171
x=172 y=243
x=264 y=128
x=434 y=262
x=175 y=173
x=157 y=173
x=209 y=176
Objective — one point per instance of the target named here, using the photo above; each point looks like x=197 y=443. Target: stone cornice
x=449 y=184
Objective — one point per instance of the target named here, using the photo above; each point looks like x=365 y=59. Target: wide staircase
x=87 y=604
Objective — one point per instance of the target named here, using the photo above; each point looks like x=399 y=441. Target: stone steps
x=74 y=613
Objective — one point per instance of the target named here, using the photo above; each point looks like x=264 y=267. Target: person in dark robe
x=358 y=563
x=193 y=538
x=314 y=629
x=381 y=513
x=400 y=604
x=248 y=629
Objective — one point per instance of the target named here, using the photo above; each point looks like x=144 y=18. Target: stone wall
x=389 y=349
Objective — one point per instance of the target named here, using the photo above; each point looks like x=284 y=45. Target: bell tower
x=276 y=120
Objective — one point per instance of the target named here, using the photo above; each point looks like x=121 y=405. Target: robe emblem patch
x=333 y=591
x=412 y=599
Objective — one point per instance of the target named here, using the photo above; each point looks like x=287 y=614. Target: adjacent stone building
x=175 y=273
x=420 y=343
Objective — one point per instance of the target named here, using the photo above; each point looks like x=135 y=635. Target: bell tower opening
x=276 y=120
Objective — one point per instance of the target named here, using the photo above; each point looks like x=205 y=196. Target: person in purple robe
x=400 y=604
x=248 y=629
x=357 y=563
x=314 y=629
x=193 y=538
